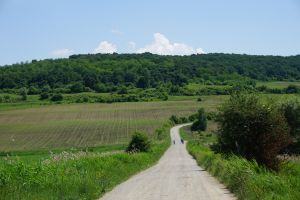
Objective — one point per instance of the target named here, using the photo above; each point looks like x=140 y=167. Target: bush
x=211 y=116
x=123 y=90
x=33 y=90
x=174 y=119
x=292 y=89
x=291 y=111
x=139 y=143
x=183 y=120
x=57 y=97
x=193 y=117
x=201 y=121
x=100 y=87
x=77 y=87
x=252 y=129
x=44 y=95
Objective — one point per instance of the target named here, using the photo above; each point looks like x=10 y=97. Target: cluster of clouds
x=161 y=45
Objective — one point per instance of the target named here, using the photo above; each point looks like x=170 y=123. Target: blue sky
x=37 y=29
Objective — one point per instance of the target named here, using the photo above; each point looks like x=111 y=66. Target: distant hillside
x=102 y=71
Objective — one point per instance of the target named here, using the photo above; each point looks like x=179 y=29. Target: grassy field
x=78 y=175
x=87 y=125
x=278 y=84
x=62 y=126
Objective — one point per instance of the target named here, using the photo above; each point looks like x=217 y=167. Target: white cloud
x=161 y=45
x=200 y=51
x=105 y=47
x=62 y=52
x=116 y=32
x=132 y=45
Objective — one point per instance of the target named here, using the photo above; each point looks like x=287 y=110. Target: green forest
x=108 y=72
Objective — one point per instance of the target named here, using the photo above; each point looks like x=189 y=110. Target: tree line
x=109 y=72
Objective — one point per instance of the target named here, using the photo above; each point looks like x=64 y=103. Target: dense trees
x=252 y=128
x=104 y=72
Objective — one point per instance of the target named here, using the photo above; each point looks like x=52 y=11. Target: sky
x=39 y=29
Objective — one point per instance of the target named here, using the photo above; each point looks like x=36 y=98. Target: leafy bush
x=252 y=129
x=174 y=119
x=139 y=143
x=178 y=120
x=57 y=97
x=211 y=115
x=193 y=117
x=291 y=111
x=33 y=90
x=201 y=121
x=183 y=120
x=44 y=95
x=77 y=87
x=292 y=89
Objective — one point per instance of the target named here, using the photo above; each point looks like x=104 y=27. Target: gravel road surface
x=175 y=177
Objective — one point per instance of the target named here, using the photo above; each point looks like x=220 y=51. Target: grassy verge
x=80 y=175
x=245 y=179
x=39 y=155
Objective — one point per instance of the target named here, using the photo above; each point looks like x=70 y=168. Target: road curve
x=175 y=177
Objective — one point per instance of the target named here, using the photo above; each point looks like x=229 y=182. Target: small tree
x=23 y=93
x=201 y=121
x=252 y=129
x=139 y=143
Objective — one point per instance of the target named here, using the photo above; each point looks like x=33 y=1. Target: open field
x=63 y=126
x=84 y=125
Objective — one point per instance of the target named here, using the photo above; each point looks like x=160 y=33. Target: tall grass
x=81 y=175
x=246 y=179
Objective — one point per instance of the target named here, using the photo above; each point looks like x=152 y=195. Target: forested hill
x=147 y=70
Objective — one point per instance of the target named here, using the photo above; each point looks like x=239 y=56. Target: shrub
x=77 y=87
x=123 y=90
x=57 y=97
x=211 y=116
x=291 y=111
x=44 y=95
x=193 y=117
x=46 y=88
x=292 y=89
x=33 y=90
x=174 y=119
x=183 y=120
x=100 y=87
x=252 y=129
x=201 y=121
x=139 y=143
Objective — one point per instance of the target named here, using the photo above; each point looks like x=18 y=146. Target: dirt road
x=176 y=177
